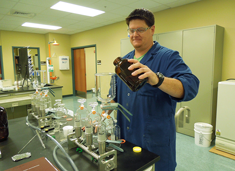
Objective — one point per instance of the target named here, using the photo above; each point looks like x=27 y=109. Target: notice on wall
x=64 y=62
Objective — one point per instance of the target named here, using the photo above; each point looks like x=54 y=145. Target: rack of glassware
x=95 y=133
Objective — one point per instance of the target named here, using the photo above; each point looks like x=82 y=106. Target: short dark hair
x=142 y=14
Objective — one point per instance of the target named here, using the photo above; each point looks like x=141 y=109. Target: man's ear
x=153 y=29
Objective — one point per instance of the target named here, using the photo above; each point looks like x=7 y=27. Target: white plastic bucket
x=202 y=134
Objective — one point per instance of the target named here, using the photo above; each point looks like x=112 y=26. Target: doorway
x=83 y=69
x=1 y=65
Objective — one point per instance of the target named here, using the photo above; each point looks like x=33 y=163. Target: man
x=170 y=80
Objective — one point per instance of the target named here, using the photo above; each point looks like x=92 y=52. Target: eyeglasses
x=138 y=30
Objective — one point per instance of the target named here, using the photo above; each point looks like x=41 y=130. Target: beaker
x=61 y=113
x=105 y=87
x=40 y=78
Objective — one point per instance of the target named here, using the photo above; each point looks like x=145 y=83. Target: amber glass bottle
x=3 y=124
x=121 y=69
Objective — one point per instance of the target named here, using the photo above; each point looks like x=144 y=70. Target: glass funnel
x=105 y=87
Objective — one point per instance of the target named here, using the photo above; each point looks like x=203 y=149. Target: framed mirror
x=25 y=61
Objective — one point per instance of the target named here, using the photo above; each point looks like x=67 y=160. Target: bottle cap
x=137 y=149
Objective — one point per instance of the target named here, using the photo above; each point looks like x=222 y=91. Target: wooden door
x=80 y=72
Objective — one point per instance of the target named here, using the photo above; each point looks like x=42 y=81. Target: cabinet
x=225 y=137
x=202 y=50
x=17 y=102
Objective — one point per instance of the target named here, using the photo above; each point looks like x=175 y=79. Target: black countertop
x=26 y=89
x=20 y=134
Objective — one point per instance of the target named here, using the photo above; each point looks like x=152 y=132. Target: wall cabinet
x=202 y=50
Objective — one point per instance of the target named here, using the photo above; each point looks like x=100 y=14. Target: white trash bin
x=202 y=134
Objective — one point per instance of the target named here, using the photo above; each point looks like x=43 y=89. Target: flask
x=3 y=124
x=121 y=69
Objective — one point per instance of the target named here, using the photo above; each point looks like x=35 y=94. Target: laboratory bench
x=20 y=134
x=17 y=102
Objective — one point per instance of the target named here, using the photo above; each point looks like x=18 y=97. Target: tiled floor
x=189 y=156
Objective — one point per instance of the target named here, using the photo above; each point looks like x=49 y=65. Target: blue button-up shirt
x=152 y=125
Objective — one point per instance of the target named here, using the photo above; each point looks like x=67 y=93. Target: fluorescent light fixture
x=77 y=9
x=41 y=26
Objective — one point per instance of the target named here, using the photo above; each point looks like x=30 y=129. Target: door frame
x=1 y=59
x=72 y=61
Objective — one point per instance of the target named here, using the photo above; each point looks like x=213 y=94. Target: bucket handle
x=202 y=135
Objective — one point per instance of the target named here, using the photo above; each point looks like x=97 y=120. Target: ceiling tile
x=107 y=16
x=7 y=27
x=4 y=22
x=13 y=19
x=82 y=24
x=1 y=16
x=95 y=20
x=14 y=0
x=124 y=2
x=74 y=26
x=123 y=11
x=75 y=17
x=41 y=3
x=28 y=8
x=143 y=4
x=39 y=31
x=105 y=5
x=165 y=1
x=4 y=10
x=116 y=20
x=180 y=3
x=159 y=8
x=52 y=12
x=43 y=18
x=24 y=29
x=7 y=4
x=82 y=2
x=63 y=22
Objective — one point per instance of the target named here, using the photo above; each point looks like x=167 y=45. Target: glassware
x=117 y=131
x=42 y=105
x=81 y=112
x=39 y=78
x=57 y=101
x=33 y=101
x=3 y=124
x=61 y=113
x=121 y=69
x=37 y=103
x=105 y=87
x=110 y=128
x=101 y=137
x=47 y=100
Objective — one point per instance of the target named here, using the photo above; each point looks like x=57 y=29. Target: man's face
x=141 y=40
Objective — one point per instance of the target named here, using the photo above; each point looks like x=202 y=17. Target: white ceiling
x=115 y=11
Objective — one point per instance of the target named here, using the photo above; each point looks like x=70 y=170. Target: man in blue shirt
x=170 y=80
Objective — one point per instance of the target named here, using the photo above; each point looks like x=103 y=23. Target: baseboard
x=68 y=95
